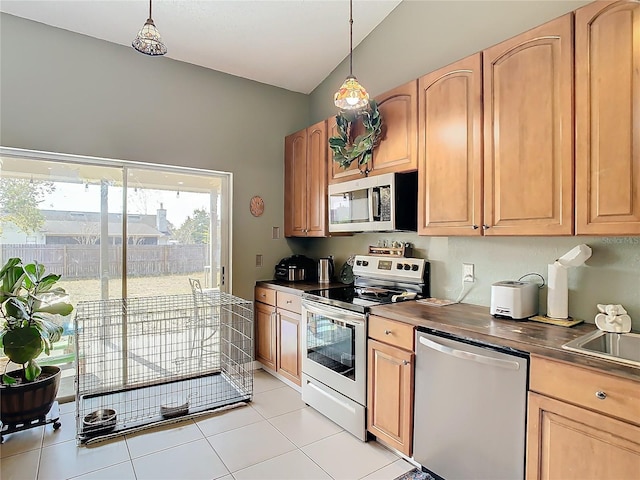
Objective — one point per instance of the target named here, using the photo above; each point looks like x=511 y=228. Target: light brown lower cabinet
x=568 y=442
x=582 y=424
x=390 y=383
x=289 y=359
x=265 y=325
x=278 y=336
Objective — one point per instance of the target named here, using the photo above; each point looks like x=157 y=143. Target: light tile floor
x=274 y=437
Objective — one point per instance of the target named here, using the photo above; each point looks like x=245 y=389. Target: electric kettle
x=325 y=269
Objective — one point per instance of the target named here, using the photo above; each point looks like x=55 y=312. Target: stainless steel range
x=334 y=365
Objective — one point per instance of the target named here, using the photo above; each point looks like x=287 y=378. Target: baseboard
x=288 y=382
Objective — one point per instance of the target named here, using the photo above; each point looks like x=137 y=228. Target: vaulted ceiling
x=293 y=44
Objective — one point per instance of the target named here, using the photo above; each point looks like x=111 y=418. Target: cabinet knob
x=289 y=301
x=485 y=227
x=601 y=395
x=387 y=332
x=404 y=362
x=475 y=227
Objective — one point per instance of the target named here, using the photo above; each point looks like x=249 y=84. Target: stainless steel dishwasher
x=470 y=408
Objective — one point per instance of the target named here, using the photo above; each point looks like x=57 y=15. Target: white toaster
x=512 y=299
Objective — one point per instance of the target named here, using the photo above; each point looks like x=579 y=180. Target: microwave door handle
x=374 y=204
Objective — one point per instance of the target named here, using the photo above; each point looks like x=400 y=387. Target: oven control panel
x=411 y=269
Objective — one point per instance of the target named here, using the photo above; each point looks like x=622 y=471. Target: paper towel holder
x=558 y=288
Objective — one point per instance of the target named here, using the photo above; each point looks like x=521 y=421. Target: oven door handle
x=334 y=313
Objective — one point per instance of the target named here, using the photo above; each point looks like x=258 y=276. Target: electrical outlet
x=467 y=272
x=259 y=260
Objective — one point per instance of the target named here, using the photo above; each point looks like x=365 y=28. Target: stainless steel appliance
x=325 y=270
x=296 y=268
x=470 y=408
x=334 y=365
x=375 y=204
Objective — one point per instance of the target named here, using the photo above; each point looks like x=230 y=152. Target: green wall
x=65 y=92
x=419 y=37
x=69 y=93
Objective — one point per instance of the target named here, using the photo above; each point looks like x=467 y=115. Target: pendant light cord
x=150 y=9
x=350 y=38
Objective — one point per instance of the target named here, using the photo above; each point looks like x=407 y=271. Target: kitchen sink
x=620 y=347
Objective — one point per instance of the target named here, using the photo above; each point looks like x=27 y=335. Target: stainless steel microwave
x=380 y=203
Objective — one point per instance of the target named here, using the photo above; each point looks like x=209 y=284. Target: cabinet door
x=295 y=188
x=390 y=395
x=450 y=149
x=336 y=173
x=398 y=147
x=528 y=125
x=289 y=354
x=316 y=180
x=265 y=325
x=571 y=443
x=608 y=118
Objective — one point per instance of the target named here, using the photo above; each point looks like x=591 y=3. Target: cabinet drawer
x=613 y=396
x=289 y=301
x=265 y=295
x=391 y=332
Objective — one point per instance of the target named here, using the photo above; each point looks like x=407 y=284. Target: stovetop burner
x=357 y=298
x=378 y=281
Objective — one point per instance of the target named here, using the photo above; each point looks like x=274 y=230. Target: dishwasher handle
x=474 y=357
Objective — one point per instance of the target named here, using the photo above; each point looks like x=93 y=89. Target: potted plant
x=29 y=302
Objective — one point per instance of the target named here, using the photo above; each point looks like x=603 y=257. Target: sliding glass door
x=113 y=229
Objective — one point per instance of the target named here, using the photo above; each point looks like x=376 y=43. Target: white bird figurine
x=613 y=318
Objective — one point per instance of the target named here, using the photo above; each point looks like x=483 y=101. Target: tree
x=89 y=234
x=19 y=200
x=194 y=230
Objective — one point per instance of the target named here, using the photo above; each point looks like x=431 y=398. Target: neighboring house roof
x=69 y=223
x=80 y=228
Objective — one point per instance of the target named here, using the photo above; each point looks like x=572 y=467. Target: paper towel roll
x=558 y=291
x=576 y=256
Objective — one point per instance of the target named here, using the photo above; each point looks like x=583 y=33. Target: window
x=113 y=229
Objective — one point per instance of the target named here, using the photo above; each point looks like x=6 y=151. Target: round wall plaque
x=256 y=206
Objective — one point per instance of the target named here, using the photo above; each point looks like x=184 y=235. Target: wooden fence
x=83 y=261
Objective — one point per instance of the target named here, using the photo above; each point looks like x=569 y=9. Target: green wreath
x=361 y=149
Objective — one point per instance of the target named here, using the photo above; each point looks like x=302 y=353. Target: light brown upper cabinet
x=336 y=173
x=528 y=132
x=305 y=174
x=608 y=118
x=398 y=147
x=450 y=149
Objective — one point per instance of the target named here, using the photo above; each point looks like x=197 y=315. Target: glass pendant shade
x=148 y=40
x=351 y=95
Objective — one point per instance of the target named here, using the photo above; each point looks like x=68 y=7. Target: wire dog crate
x=143 y=361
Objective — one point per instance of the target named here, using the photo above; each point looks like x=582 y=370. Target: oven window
x=331 y=343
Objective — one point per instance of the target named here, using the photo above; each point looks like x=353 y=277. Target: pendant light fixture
x=148 y=40
x=351 y=95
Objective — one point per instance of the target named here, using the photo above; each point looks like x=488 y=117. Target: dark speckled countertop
x=474 y=322
x=296 y=287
